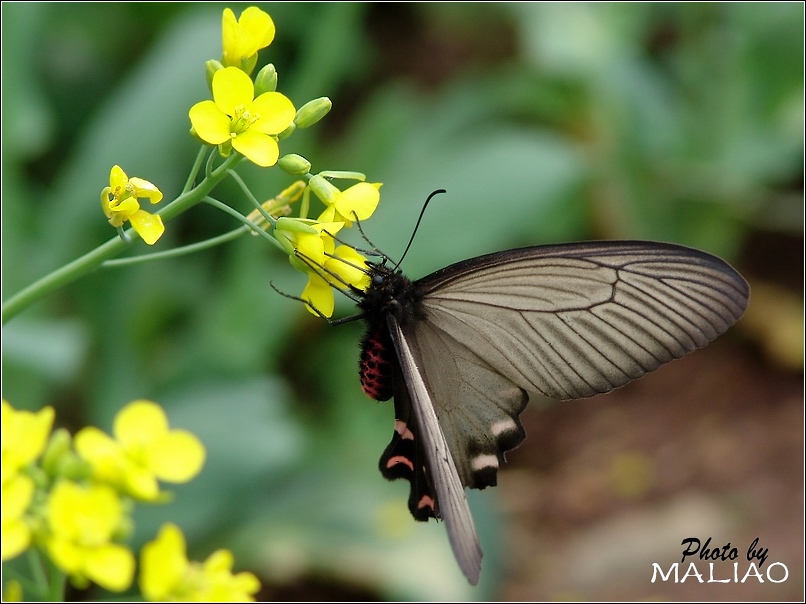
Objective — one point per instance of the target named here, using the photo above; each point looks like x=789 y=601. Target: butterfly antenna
x=417 y=226
x=371 y=252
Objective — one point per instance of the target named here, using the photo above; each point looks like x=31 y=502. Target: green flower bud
x=287 y=132
x=248 y=64
x=57 y=448
x=312 y=111
x=266 y=80
x=294 y=164
x=344 y=175
x=210 y=67
x=323 y=189
x=295 y=225
x=287 y=246
x=298 y=264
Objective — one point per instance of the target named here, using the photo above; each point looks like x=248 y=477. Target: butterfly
x=462 y=349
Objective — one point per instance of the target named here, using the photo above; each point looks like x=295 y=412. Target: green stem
x=179 y=251
x=92 y=260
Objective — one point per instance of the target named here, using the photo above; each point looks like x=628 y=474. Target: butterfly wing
x=565 y=321
x=574 y=320
x=451 y=503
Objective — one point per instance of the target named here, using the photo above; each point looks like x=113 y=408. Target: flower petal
x=276 y=112
x=105 y=456
x=140 y=423
x=117 y=177
x=148 y=226
x=329 y=215
x=163 y=563
x=319 y=295
x=143 y=188
x=140 y=482
x=258 y=148
x=359 y=201
x=259 y=24
x=16 y=539
x=176 y=457
x=210 y=124
x=111 y=566
x=232 y=88
x=347 y=264
x=24 y=436
x=310 y=248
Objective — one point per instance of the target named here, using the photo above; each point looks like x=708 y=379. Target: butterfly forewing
x=575 y=320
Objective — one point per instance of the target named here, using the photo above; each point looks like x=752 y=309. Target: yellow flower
x=82 y=523
x=356 y=202
x=119 y=202
x=24 y=436
x=244 y=37
x=17 y=495
x=145 y=451
x=237 y=120
x=327 y=266
x=167 y=575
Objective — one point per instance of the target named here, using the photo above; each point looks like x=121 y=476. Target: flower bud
x=57 y=448
x=294 y=164
x=312 y=111
x=298 y=264
x=266 y=80
x=287 y=132
x=210 y=67
x=323 y=189
x=295 y=225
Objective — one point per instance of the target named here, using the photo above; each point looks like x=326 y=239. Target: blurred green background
x=545 y=123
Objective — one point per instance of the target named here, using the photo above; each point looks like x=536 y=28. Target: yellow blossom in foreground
x=17 y=494
x=82 y=523
x=119 y=203
x=144 y=450
x=24 y=436
x=167 y=575
x=244 y=37
x=235 y=119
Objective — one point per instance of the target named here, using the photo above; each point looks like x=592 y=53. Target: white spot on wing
x=483 y=462
x=503 y=426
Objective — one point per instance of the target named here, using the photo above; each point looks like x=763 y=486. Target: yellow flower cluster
x=249 y=117
x=312 y=244
x=24 y=436
x=74 y=505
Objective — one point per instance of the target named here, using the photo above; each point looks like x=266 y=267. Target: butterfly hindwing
x=451 y=503
x=404 y=456
x=477 y=406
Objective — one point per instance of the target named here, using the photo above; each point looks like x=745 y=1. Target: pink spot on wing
x=426 y=501
x=393 y=461
x=403 y=430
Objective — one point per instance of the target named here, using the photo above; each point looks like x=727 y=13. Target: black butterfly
x=461 y=349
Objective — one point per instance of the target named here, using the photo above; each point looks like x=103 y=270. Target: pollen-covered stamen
x=242 y=120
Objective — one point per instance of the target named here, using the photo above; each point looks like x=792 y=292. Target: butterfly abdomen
x=389 y=293
x=375 y=366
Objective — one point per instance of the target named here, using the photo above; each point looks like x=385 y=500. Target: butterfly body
x=462 y=348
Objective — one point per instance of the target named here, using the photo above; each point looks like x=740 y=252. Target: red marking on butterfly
x=375 y=367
